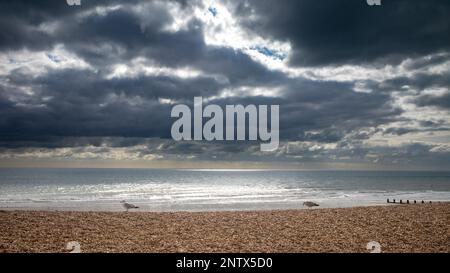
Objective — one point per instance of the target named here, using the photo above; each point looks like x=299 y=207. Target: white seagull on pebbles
x=128 y=206
x=310 y=204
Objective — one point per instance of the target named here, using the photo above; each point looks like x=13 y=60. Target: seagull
x=310 y=204
x=128 y=206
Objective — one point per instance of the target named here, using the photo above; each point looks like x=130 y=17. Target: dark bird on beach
x=310 y=204
x=128 y=206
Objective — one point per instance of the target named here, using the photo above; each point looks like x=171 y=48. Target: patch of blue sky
x=270 y=52
x=213 y=11
x=53 y=58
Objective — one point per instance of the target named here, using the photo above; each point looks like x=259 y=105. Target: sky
x=359 y=86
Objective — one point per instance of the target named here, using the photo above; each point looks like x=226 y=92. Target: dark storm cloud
x=399 y=131
x=428 y=61
x=80 y=103
x=121 y=35
x=90 y=111
x=61 y=142
x=418 y=81
x=332 y=32
x=20 y=21
x=441 y=101
x=73 y=84
x=334 y=109
x=126 y=37
x=323 y=111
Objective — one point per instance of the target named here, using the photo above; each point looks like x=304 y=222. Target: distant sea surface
x=210 y=190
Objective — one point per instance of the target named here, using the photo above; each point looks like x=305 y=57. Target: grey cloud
x=337 y=32
x=335 y=109
x=85 y=111
x=419 y=81
x=83 y=104
x=441 y=101
x=126 y=38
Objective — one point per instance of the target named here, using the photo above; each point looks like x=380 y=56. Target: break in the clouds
x=358 y=85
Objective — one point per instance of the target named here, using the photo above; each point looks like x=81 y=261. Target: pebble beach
x=397 y=228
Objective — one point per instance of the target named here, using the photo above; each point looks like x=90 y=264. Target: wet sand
x=397 y=228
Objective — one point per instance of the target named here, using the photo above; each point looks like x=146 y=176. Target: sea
x=212 y=189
